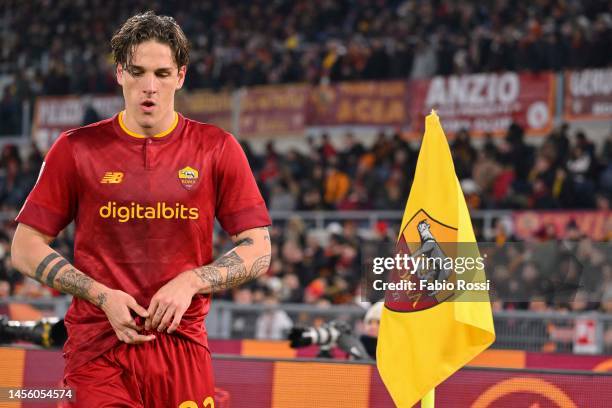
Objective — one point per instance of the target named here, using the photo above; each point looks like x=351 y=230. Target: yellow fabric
x=429 y=400
x=418 y=350
x=139 y=136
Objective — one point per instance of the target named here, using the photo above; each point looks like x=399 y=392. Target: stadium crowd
x=60 y=47
x=566 y=171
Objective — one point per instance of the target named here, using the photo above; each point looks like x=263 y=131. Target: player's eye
x=163 y=74
x=136 y=73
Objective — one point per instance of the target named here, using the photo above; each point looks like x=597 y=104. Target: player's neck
x=165 y=126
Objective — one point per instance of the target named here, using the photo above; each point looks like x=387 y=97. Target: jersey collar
x=162 y=137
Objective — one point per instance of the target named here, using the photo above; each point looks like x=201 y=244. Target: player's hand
x=170 y=303
x=117 y=308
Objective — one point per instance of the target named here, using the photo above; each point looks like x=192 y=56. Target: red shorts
x=166 y=372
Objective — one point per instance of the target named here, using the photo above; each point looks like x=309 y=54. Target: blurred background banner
x=485 y=103
x=359 y=103
x=594 y=224
x=207 y=106
x=269 y=111
x=588 y=95
x=53 y=115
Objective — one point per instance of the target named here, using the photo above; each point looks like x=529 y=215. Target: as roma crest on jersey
x=433 y=242
x=188 y=176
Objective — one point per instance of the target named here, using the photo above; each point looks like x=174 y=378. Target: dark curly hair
x=149 y=26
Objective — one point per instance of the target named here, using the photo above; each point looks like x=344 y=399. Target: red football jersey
x=144 y=210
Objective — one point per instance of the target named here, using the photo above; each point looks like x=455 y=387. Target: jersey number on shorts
x=208 y=403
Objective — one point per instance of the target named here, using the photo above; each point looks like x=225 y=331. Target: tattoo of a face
x=75 y=282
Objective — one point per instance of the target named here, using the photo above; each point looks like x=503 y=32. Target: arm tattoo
x=228 y=260
x=260 y=265
x=246 y=241
x=43 y=265
x=236 y=275
x=75 y=282
x=267 y=236
x=53 y=272
x=212 y=276
x=69 y=280
x=236 y=270
x=101 y=300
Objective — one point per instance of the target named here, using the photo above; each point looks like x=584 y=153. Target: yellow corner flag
x=425 y=336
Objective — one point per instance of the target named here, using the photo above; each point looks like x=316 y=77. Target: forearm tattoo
x=75 y=282
x=101 y=299
x=67 y=280
x=236 y=269
x=237 y=272
x=211 y=276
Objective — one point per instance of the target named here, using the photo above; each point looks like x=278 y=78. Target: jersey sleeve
x=52 y=203
x=239 y=204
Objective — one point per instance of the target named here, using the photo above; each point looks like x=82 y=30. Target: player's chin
x=147 y=119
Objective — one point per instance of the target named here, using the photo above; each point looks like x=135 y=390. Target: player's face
x=149 y=87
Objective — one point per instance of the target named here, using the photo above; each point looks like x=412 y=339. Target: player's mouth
x=147 y=106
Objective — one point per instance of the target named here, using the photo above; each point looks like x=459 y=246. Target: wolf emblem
x=431 y=251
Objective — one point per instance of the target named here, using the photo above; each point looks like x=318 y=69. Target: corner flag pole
x=429 y=400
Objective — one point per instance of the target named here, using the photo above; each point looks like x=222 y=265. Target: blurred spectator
x=5 y=289
x=273 y=324
x=337 y=185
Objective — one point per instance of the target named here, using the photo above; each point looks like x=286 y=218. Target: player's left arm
x=249 y=259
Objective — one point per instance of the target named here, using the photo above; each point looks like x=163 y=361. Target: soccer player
x=143 y=188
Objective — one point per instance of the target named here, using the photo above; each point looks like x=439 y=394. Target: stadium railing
x=484 y=219
x=516 y=329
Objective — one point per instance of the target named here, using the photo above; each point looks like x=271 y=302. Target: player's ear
x=119 y=73
x=181 y=76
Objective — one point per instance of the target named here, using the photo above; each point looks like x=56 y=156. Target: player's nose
x=150 y=84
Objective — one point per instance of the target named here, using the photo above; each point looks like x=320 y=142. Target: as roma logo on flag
x=188 y=176
x=432 y=242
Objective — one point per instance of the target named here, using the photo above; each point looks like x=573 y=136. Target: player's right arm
x=32 y=256
x=50 y=207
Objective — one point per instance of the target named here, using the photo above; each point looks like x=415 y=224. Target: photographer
x=340 y=334
x=371 y=323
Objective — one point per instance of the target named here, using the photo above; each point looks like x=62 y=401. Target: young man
x=143 y=188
